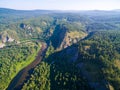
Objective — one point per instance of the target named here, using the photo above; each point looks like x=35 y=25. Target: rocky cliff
x=62 y=37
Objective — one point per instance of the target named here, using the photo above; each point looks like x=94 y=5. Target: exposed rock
x=4 y=40
x=7 y=39
x=25 y=26
x=17 y=42
x=2 y=45
x=70 y=38
x=58 y=36
x=10 y=39
x=62 y=37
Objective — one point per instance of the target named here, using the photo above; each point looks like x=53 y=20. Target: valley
x=23 y=75
x=59 y=50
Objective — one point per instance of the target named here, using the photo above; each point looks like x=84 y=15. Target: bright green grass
x=6 y=79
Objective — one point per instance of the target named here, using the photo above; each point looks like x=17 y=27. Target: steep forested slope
x=93 y=63
x=83 y=49
x=13 y=59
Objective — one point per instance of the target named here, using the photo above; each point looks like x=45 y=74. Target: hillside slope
x=83 y=50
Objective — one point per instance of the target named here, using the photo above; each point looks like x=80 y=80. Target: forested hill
x=39 y=12
x=22 y=12
x=83 y=49
x=95 y=19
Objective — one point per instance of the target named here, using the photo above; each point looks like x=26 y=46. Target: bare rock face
x=58 y=36
x=25 y=26
x=4 y=38
x=7 y=39
x=62 y=37
x=2 y=45
x=69 y=40
x=10 y=39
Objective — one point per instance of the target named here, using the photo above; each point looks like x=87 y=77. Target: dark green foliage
x=39 y=79
x=93 y=61
x=97 y=55
x=13 y=59
x=65 y=76
x=57 y=75
x=102 y=50
x=101 y=26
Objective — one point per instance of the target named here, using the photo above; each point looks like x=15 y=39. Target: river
x=24 y=74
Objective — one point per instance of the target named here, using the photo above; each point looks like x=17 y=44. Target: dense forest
x=82 y=53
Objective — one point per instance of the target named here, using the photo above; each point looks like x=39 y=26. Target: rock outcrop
x=2 y=45
x=62 y=37
x=25 y=26
x=58 y=36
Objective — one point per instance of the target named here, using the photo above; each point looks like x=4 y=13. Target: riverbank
x=24 y=74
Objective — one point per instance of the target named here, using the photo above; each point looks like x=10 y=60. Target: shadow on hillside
x=63 y=73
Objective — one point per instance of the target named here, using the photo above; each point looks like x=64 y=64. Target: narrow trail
x=24 y=74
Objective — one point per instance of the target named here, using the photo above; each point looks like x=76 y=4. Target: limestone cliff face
x=5 y=37
x=58 y=36
x=62 y=37
x=71 y=38
x=2 y=45
x=25 y=26
x=8 y=36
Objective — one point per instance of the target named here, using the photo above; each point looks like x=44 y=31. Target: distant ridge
x=117 y=10
x=6 y=9
x=39 y=12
